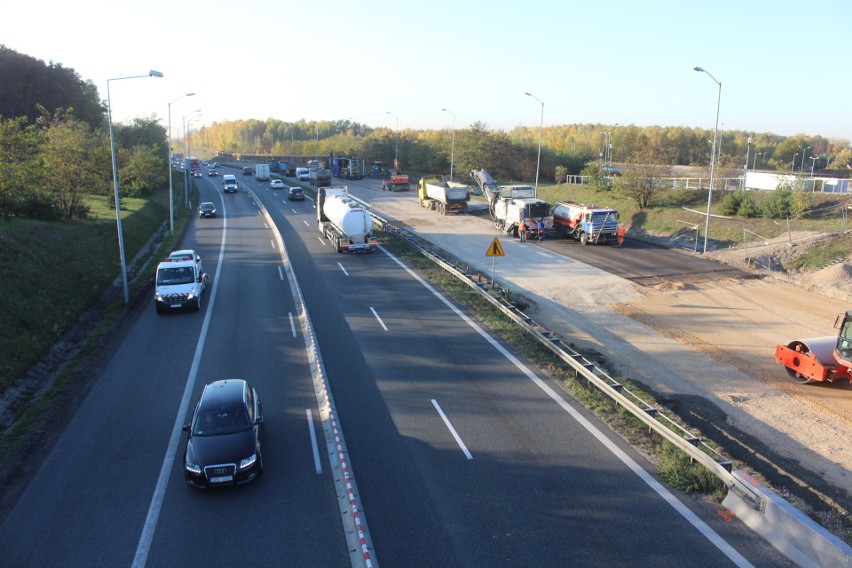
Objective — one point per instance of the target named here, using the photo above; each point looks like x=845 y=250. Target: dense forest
x=54 y=142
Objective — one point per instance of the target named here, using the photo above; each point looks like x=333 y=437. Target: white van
x=230 y=183
x=303 y=174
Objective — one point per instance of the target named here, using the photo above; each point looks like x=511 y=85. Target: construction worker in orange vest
x=619 y=233
x=522 y=231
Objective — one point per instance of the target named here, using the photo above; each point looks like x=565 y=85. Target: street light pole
x=712 y=155
x=453 y=146
x=804 y=153
x=540 y=128
x=396 y=141
x=793 y=163
x=171 y=198
x=187 y=171
x=754 y=163
x=151 y=73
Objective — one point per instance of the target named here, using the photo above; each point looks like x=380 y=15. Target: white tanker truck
x=344 y=221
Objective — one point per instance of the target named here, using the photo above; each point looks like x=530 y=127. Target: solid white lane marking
x=292 y=325
x=150 y=526
x=451 y=429
x=372 y=309
x=655 y=485
x=343 y=269
x=314 y=445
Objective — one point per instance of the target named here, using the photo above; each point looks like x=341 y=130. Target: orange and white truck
x=820 y=359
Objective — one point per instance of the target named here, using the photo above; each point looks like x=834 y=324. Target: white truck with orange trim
x=179 y=282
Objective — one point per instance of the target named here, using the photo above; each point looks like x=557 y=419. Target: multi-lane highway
x=463 y=453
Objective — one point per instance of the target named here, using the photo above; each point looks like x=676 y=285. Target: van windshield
x=175 y=276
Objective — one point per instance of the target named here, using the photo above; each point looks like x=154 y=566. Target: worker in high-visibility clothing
x=620 y=232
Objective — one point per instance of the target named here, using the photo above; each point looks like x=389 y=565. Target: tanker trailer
x=344 y=221
x=820 y=359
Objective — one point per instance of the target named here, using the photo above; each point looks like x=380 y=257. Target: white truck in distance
x=179 y=282
x=261 y=172
x=343 y=220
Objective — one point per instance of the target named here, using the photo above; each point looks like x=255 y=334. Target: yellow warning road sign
x=495 y=248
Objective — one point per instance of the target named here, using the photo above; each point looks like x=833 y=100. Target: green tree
x=560 y=174
x=142 y=172
x=76 y=161
x=642 y=181
x=19 y=163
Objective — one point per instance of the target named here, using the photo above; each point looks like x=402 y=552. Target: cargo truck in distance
x=261 y=172
x=586 y=223
x=348 y=168
x=443 y=196
x=396 y=182
x=344 y=221
x=319 y=176
x=820 y=359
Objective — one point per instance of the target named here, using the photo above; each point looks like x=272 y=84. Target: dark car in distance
x=224 y=436
x=206 y=209
x=296 y=193
x=247 y=171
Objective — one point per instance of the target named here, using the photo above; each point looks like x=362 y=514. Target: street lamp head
x=189 y=95
x=153 y=73
x=699 y=69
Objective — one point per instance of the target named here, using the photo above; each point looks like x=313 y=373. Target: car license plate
x=174 y=305
x=221 y=479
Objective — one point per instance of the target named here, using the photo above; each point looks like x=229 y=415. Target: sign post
x=495 y=249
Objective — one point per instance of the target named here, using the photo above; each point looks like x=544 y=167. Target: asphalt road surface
x=464 y=454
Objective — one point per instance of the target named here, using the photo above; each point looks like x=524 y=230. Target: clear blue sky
x=782 y=65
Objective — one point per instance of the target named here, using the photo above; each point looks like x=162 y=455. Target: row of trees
x=50 y=165
x=514 y=154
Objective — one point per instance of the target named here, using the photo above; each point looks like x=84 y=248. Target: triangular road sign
x=495 y=248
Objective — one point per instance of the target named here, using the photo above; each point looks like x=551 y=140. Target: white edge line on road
x=314 y=444
x=150 y=526
x=343 y=269
x=292 y=325
x=667 y=496
x=372 y=309
x=451 y=429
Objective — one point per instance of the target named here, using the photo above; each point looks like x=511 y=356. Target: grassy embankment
x=52 y=272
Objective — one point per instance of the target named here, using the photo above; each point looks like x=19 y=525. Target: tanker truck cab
x=179 y=282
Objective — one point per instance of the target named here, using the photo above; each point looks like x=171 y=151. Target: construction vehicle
x=320 y=176
x=348 y=168
x=343 y=220
x=396 y=182
x=508 y=205
x=820 y=359
x=586 y=223
x=443 y=196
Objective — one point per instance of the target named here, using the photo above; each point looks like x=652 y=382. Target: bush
x=748 y=207
x=730 y=204
x=40 y=206
x=777 y=205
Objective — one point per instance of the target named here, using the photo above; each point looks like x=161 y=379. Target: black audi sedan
x=206 y=209
x=296 y=193
x=224 y=436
